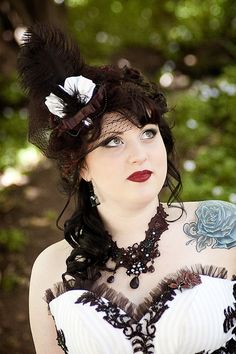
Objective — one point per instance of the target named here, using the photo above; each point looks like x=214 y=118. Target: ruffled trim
x=209 y=270
x=185 y=278
x=64 y=286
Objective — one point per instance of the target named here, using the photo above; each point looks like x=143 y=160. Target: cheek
x=161 y=155
x=101 y=170
x=160 y=163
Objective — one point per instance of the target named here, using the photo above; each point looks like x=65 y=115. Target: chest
x=176 y=254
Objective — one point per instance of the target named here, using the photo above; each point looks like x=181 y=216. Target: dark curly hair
x=47 y=57
x=141 y=102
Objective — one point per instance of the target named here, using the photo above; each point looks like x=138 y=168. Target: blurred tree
x=14 y=16
x=158 y=31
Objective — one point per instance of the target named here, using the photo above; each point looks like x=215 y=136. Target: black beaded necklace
x=139 y=257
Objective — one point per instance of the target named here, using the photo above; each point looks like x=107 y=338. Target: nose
x=136 y=153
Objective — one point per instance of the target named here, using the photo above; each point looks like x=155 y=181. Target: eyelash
x=110 y=139
x=152 y=130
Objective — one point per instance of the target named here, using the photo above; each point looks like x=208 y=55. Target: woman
x=133 y=275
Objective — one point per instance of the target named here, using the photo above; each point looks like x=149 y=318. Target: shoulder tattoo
x=215 y=226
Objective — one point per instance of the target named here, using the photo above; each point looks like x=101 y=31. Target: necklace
x=139 y=257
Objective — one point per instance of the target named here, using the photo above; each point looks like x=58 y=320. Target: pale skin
x=126 y=208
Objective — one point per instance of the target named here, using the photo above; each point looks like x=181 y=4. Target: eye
x=112 y=142
x=149 y=133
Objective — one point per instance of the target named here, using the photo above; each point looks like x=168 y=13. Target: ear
x=84 y=172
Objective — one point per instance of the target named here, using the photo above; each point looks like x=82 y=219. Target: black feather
x=47 y=57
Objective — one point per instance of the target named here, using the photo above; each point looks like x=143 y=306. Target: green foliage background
x=158 y=37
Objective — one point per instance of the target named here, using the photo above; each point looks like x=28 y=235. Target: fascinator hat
x=69 y=99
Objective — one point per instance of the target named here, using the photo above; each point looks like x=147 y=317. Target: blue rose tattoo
x=215 y=226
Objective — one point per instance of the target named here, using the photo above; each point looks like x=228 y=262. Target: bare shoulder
x=51 y=262
x=210 y=227
x=205 y=208
x=47 y=271
x=208 y=231
x=213 y=224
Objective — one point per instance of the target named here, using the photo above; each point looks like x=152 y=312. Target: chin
x=145 y=198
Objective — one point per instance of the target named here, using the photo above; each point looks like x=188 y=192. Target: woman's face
x=130 y=164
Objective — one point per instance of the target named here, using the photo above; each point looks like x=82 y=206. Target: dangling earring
x=93 y=198
x=165 y=183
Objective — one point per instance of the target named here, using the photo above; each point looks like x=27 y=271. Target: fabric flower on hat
x=55 y=105
x=80 y=84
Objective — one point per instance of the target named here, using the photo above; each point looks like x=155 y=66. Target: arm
x=46 y=271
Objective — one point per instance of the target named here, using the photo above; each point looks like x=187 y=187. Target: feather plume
x=47 y=57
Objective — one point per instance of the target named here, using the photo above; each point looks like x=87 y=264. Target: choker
x=139 y=257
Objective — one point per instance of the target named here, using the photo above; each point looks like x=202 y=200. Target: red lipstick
x=140 y=176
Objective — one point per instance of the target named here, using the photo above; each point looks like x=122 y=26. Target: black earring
x=93 y=198
x=166 y=184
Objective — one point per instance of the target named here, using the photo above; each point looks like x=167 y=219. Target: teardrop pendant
x=151 y=269
x=134 y=284
x=111 y=279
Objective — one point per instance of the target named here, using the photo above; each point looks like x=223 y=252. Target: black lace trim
x=140 y=333
x=230 y=314
x=61 y=340
x=229 y=348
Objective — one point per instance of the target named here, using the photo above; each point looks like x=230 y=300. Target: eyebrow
x=111 y=134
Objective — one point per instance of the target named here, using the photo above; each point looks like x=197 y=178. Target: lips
x=140 y=176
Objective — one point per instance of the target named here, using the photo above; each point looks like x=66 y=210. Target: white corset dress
x=181 y=318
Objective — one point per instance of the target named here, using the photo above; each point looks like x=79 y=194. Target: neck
x=127 y=225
